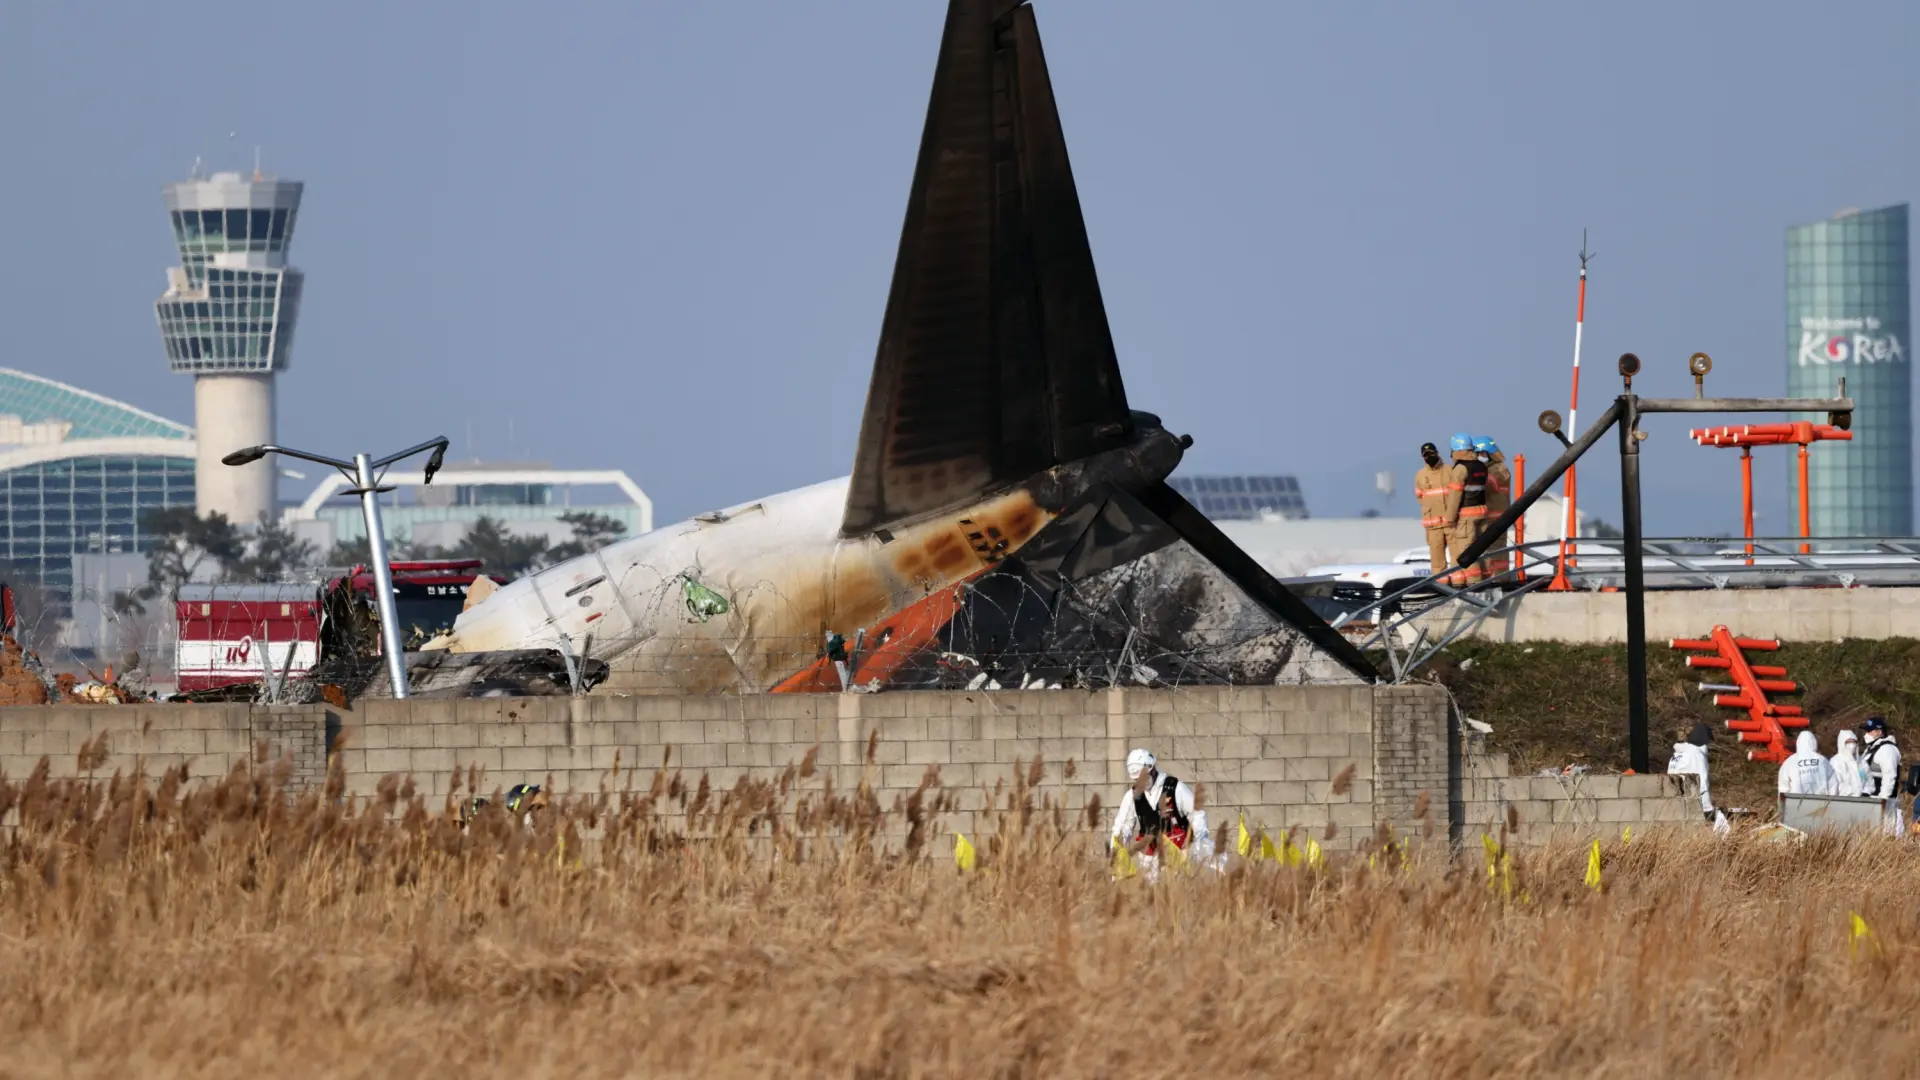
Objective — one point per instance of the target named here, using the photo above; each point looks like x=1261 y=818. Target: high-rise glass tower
x=227 y=319
x=1847 y=315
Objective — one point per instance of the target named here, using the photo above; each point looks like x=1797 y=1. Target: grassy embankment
x=1552 y=705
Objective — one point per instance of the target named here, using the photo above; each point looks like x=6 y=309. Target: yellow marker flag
x=1857 y=933
x=963 y=854
x=1243 y=846
x=1314 y=858
x=1493 y=856
x=1593 y=866
x=1122 y=862
x=1267 y=850
x=1626 y=835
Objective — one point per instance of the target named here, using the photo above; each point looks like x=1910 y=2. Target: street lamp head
x=1550 y=421
x=245 y=457
x=433 y=463
x=1629 y=365
x=1699 y=363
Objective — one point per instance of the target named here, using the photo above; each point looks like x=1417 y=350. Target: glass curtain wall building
x=1847 y=315
x=78 y=472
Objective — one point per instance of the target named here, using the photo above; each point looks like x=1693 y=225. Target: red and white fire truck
x=232 y=634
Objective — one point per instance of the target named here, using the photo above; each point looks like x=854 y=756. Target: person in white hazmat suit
x=1156 y=809
x=1849 y=772
x=1691 y=757
x=1807 y=772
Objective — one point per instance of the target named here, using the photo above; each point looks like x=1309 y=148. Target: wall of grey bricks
x=208 y=739
x=1542 y=809
x=1269 y=753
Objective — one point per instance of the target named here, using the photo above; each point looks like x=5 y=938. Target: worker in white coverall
x=1849 y=772
x=1690 y=756
x=1157 y=808
x=1806 y=772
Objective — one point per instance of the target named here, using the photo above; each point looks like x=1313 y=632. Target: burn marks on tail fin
x=995 y=359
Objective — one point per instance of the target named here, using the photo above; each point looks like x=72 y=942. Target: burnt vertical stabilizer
x=995 y=358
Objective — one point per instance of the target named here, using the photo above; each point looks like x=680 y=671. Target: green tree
x=271 y=552
x=360 y=553
x=591 y=532
x=500 y=551
x=188 y=547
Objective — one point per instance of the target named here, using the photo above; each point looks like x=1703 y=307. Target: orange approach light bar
x=1801 y=433
x=1766 y=722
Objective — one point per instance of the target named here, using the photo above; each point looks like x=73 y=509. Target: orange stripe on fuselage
x=890 y=644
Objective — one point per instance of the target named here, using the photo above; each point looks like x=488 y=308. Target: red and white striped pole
x=1567 y=523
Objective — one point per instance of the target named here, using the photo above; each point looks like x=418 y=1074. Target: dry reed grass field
x=785 y=929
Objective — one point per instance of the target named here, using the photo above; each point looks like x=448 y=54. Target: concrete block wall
x=1270 y=753
x=1409 y=751
x=209 y=739
x=1587 y=805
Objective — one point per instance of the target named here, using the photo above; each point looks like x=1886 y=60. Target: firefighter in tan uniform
x=1473 y=508
x=1438 y=487
x=1499 y=497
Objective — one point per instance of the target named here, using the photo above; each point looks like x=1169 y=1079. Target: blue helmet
x=1462 y=441
x=1484 y=444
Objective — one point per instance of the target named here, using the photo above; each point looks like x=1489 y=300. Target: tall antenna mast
x=1571 y=519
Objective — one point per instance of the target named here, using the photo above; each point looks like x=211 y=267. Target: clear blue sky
x=657 y=236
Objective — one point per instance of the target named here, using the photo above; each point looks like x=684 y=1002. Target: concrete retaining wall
x=1787 y=614
x=210 y=740
x=1582 y=805
x=1271 y=753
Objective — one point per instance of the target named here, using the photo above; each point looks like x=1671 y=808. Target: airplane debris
x=996 y=419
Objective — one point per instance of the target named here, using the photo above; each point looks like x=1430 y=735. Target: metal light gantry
x=1626 y=410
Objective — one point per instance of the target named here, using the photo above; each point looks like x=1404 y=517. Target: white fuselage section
x=786 y=575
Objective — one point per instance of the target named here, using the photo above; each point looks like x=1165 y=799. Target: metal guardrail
x=1764 y=562
x=1669 y=563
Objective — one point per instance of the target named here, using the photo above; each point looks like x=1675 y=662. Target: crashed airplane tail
x=1006 y=506
x=995 y=359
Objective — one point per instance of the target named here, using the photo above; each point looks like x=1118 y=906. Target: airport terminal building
x=1847 y=315
x=77 y=473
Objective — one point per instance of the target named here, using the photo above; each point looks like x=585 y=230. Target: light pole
x=360 y=471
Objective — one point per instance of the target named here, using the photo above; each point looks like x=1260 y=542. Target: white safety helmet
x=1138 y=761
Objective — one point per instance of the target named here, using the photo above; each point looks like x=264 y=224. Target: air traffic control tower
x=227 y=319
